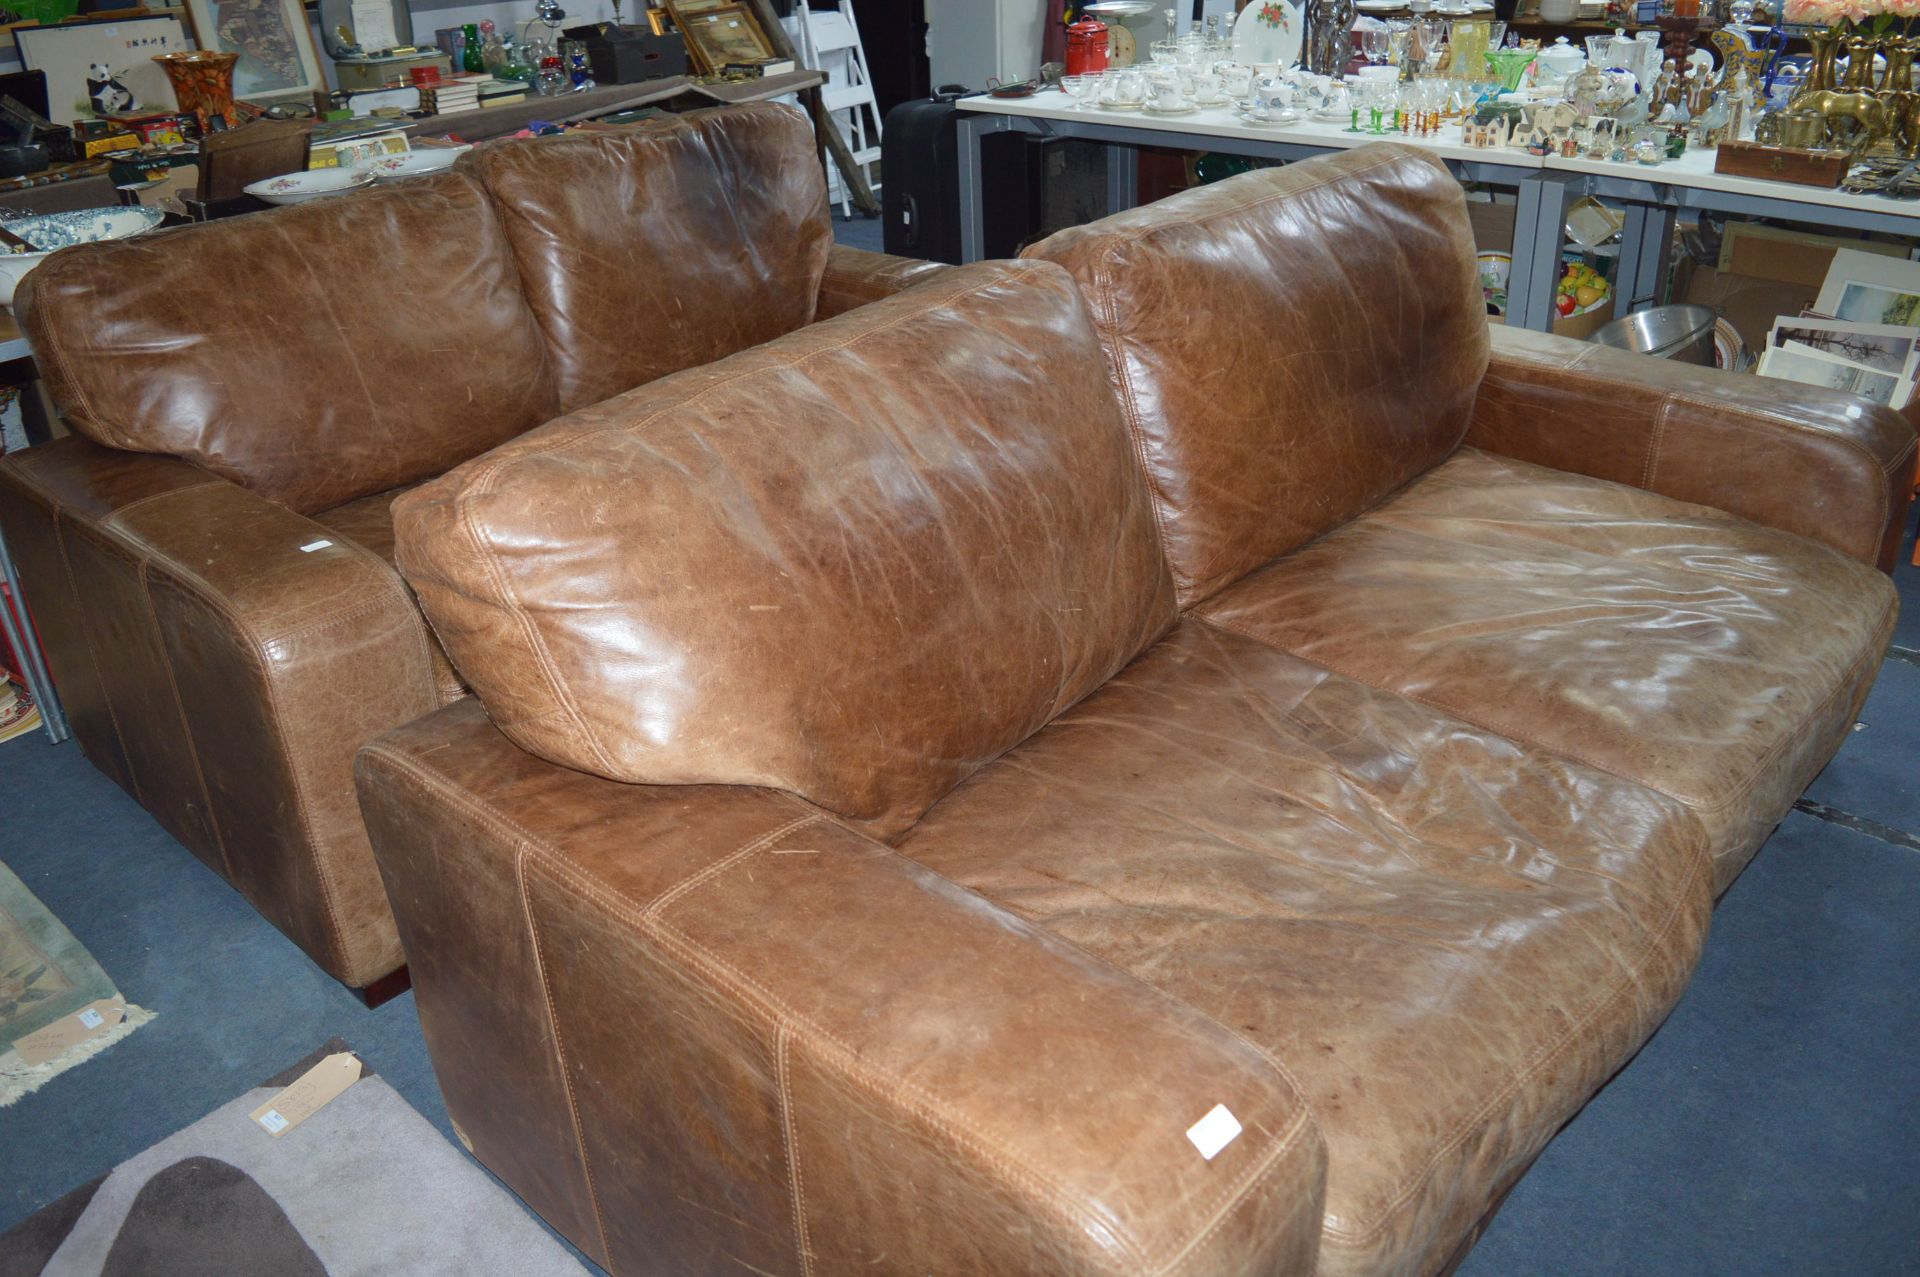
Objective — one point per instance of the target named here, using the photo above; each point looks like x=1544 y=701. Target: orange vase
x=203 y=83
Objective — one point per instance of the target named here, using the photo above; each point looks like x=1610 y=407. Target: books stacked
x=502 y=92
x=1862 y=335
x=450 y=97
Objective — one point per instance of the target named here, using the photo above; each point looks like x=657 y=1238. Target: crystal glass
x=1374 y=45
x=1508 y=65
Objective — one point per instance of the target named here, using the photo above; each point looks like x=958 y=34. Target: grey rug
x=364 y=1186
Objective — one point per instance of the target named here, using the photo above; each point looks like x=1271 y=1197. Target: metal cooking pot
x=1683 y=333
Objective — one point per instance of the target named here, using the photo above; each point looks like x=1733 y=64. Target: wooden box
x=1781 y=164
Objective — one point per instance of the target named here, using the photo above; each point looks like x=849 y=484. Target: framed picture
x=724 y=34
x=98 y=68
x=277 y=57
x=1865 y=288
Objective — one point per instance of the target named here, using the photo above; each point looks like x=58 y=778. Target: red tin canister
x=1086 y=46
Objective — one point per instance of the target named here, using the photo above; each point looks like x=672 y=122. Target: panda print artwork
x=106 y=92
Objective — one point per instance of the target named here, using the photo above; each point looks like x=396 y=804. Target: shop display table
x=1654 y=195
x=1545 y=186
x=1051 y=113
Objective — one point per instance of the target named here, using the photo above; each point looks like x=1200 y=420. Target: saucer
x=1210 y=102
x=1185 y=108
x=1285 y=117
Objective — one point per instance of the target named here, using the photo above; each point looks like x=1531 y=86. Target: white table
x=1051 y=113
x=1545 y=186
x=1655 y=193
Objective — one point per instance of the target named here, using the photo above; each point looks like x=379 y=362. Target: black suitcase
x=920 y=182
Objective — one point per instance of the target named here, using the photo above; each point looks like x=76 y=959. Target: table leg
x=1539 y=227
x=973 y=204
x=1644 y=244
x=26 y=646
x=1123 y=177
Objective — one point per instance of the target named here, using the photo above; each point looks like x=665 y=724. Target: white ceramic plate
x=298 y=188
x=51 y=231
x=431 y=159
x=1379 y=6
x=1268 y=33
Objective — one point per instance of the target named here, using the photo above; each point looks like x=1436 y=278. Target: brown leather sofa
x=930 y=761
x=209 y=557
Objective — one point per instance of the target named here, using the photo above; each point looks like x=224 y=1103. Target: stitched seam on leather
x=1273 y=1061
x=1543 y=1055
x=82 y=402
x=782 y=1049
x=671 y=938
x=1274 y=1159
x=1739 y=788
x=560 y=1046
x=681 y=888
x=1106 y=331
x=1654 y=439
x=487 y=476
x=180 y=709
x=93 y=654
x=743 y=986
x=117 y=512
x=957 y=1128
x=536 y=642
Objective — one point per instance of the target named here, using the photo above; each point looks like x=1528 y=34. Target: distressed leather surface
x=677 y=243
x=710 y=1030
x=288 y=352
x=1447 y=939
x=855 y=277
x=223 y=676
x=854 y=564
x=1290 y=346
x=1710 y=658
x=368 y=523
x=1827 y=466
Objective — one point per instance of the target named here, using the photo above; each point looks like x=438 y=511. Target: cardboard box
x=1751 y=305
x=1492 y=226
x=1789 y=257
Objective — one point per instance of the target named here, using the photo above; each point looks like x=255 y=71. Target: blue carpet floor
x=1771 y=1127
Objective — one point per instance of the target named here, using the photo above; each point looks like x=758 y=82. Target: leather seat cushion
x=1447 y=939
x=1710 y=658
x=368 y=523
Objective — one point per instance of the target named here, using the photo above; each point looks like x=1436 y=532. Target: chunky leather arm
x=222 y=657
x=855 y=277
x=1815 y=462
x=706 y=1028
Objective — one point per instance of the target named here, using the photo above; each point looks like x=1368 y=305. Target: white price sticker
x=274 y=1123
x=91 y=1018
x=1214 y=1132
x=311 y=546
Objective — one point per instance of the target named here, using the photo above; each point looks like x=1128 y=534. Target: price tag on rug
x=310 y=1092
x=91 y=1021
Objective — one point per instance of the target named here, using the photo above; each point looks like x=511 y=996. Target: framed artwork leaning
x=103 y=68
x=275 y=44
x=719 y=34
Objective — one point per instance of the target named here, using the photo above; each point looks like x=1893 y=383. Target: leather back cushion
x=1290 y=345
x=855 y=564
x=315 y=354
x=667 y=246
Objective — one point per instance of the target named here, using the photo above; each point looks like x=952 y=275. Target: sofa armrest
x=222 y=657
x=690 y=1022
x=855 y=277
x=1825 y=465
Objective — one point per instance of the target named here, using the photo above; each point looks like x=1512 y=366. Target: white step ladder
x=828 y=40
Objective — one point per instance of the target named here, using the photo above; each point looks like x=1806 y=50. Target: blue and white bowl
x=49 y=231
